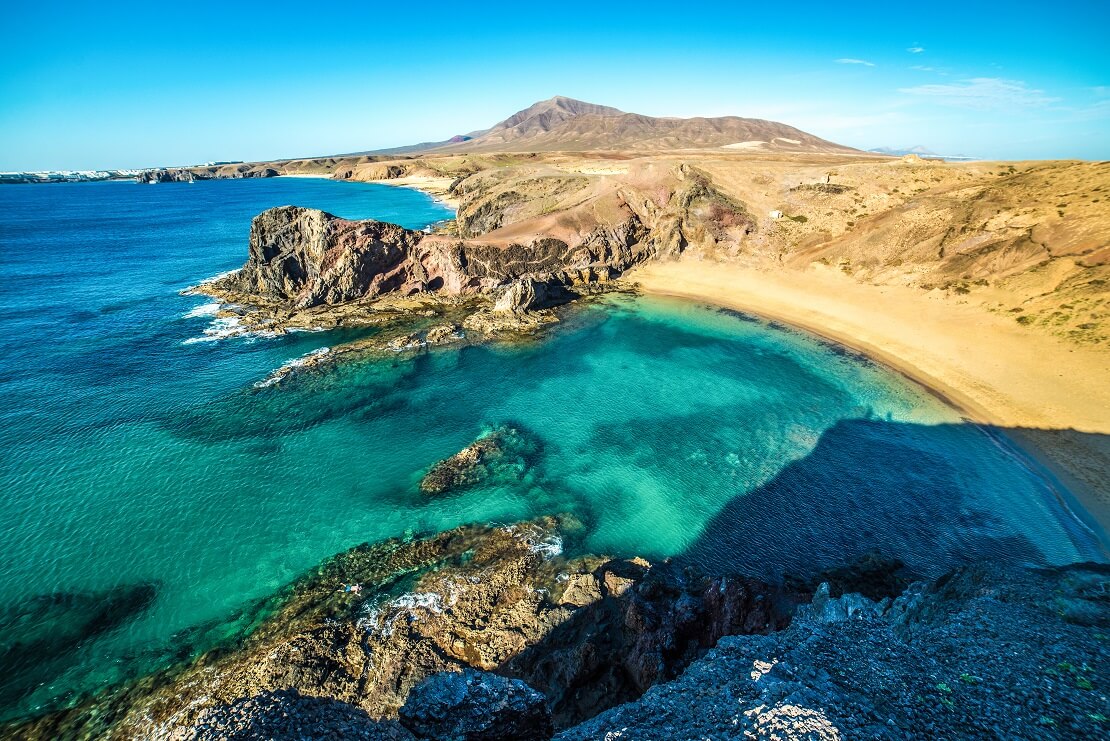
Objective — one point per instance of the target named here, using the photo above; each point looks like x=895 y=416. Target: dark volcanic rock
x=476 y=706
x=504 y=453
x=637 y=625
x=287 y=714
x=984 y=652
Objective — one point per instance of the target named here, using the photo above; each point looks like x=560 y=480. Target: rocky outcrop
x=606 y=648
x=305 y=257
x=476 y=706
x=503 y=453
x=223 y=172
x=984 y=652
x=167 y=175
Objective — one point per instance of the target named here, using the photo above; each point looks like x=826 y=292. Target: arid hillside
x=1027 y=240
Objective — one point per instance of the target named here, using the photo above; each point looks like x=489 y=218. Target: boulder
x=472 y=705
x=581 y=590
x=443 y=334
x=523 y=294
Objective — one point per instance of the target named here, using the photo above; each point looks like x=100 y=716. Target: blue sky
x=96 y=85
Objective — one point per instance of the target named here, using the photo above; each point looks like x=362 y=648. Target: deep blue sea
x=141 y=467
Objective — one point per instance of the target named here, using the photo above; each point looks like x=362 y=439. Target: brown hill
x=565 y=124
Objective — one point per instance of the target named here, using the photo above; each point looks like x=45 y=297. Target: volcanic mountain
x=565 y=124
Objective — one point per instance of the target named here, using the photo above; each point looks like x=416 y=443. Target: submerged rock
x=505 y=452
x=38 y=634
x=476 y=706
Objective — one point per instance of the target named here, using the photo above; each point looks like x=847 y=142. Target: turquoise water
x=136 y=449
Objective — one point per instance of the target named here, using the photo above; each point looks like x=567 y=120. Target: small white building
x=775 y=214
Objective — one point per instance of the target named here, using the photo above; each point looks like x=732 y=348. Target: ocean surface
x=148 y=486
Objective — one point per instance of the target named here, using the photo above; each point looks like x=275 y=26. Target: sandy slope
x=998 y=372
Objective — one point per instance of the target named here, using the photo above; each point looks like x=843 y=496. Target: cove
x=137 y=459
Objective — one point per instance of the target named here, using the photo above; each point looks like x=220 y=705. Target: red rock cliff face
x=307 y=257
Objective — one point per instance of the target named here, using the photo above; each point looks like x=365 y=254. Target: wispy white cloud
x=984 y=93
x=922 y=68
x=916 y=49
x=855 y=61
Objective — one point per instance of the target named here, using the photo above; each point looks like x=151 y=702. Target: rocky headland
x=308 y=269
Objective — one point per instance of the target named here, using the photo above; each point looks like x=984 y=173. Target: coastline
x=1005 y=378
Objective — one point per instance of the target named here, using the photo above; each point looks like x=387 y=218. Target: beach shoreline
x=435 y=187
x=1003 y=378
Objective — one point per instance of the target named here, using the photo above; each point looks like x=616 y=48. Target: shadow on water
x=901 y=491
x=874 y=504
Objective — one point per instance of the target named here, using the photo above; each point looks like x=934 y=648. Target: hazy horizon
x=138 y=86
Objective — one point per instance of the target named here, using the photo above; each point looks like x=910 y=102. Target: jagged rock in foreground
x=982 y=653
x=476 y=706
x=287 y=714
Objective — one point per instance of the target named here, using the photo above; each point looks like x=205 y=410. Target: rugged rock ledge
x=586 y=632
x=490 y=633
x=984 y=652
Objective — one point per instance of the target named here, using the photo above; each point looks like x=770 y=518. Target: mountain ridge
x=561 y=123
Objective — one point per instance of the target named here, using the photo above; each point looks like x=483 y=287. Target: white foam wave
x=538 y=541
x=406 y=606
x=283 y=372
x=221 y=328
x=203 y=310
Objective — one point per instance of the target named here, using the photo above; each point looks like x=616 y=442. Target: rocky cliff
x=492 y=633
